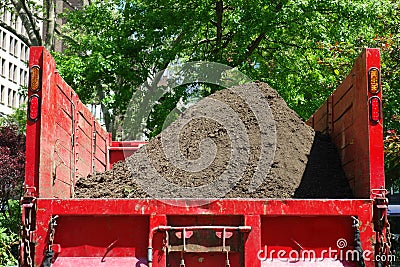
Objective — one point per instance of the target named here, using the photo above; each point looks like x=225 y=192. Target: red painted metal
x=346 y=117
x=129 y=221
x=66 y=142
x=119 y=150
x=375 y=130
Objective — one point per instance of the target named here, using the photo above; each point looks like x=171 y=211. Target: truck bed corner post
x=252 y=244
x=159 y=260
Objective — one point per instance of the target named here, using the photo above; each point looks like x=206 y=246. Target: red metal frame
x=119 y=150
x=270 y=221
x=67 y=142
x=345 y=116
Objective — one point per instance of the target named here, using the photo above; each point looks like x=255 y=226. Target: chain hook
x=356 y=222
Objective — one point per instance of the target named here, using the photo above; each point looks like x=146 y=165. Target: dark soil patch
x=305 y=164
x=323 y=177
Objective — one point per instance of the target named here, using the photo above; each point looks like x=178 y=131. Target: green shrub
x=9 y=228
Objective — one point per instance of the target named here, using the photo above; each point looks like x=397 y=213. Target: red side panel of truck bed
x=346 y=117
x=64 y=142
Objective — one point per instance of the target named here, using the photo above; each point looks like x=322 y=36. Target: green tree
x=17 y=118
x=388 y=40
x=302 y=48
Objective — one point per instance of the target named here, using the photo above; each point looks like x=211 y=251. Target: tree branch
x=33 y=22
x=290 y=44
x=254 y=44
x=28 y=21
x=50 y=23
x=204 y=41
x=219 y=9
x=66 y=37
x=250 y=48
x=13 y=31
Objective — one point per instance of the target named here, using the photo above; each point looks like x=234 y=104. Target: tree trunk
x=28 y=20
x=106 y=113
x=50 y=24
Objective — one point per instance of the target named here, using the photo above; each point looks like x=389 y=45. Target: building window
x=22 y=52
x=12 y=20
x=19 y=25
x=14 y=100
x=2 y=94
x=25 y=78
x=21 y=99
x=4 y=41
x=10 y=71
x=12 y=48
x=5 y=14
x=15 y=73
x=3 y=67
x=9 y=97
x=26 y=53
x=21 y=77
x=16 y=52
x=23 y=31
x=15 y=47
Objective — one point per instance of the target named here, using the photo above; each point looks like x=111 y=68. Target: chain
x=385 y=244
x=357 y=242
x=384 y=249
x=28 y=223
x=164 y=244
x=382 y=244
x=356 y=222
x=165 y=241
x=53 y=224
x=388 y=243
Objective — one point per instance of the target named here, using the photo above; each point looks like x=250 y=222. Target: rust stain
x=220 y=206
x=364 y=227
x=265 y=207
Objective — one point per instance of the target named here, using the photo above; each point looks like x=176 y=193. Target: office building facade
x=14 y=55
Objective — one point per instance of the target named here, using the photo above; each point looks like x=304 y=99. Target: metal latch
x=185 y=232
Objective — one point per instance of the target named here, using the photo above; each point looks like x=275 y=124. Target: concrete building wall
x=62 y=6
x=14 y=55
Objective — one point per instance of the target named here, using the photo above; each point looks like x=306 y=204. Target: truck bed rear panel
x=117 y=230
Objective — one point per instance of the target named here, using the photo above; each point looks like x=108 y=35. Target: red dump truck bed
x=65 y=142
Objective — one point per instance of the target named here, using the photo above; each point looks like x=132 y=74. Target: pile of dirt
x=223 y=147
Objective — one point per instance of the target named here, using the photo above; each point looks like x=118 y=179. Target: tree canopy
x=301 y=48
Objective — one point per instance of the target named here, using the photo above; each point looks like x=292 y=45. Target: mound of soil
x=242 y=142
